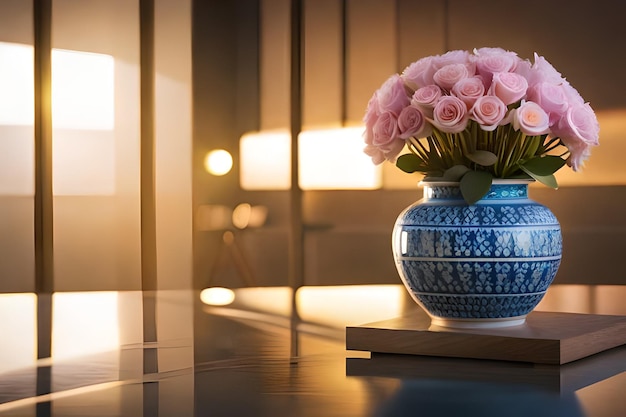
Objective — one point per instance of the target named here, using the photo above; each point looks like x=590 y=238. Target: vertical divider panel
x=44 y=260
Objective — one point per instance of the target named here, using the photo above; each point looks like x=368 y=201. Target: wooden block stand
x=545 y=338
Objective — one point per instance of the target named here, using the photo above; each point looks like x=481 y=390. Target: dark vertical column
x=344 y=61
x=296 y=243
x=247 y=82
x=151 y=399
x=446 y=26
x=44 y=259
x=148 y=212
x=44 y=267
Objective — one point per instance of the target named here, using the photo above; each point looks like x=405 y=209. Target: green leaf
x=410 y=163
x=549 y=180
x=474 y=185
x=543 y=165
x=455 y=173
x=520 y=176
x=484 y=158
x=434 y=175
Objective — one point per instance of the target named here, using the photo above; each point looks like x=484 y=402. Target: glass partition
x=17 y=167
x=96 y=158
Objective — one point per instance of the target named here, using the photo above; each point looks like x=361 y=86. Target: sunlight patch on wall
x=82 y=90
x=333 y=159
x=329 y=159
x=83 y=118
x=265 y=160
x=17 y=90
x=16 y=119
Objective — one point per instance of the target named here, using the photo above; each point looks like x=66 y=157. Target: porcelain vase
x=477 y=266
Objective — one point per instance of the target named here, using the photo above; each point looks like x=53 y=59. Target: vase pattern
x=484 y=263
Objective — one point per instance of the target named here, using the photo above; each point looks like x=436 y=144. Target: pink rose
x=426 y=97
x=452 y=57
x=573 y=96
x=551 y=97
x=508 y=87
x=392 y=95
x=370 y=118
x=412 y=122
x=385 y=131
x=372 y=111
x=492 y=60
x=523 y=68
x=579 y=125
x=579 y=153
x=488 y=111
x=378 y=156
x=450 y=114
x=449 y=75
x=531 y=119
x=420 y=73
x=386 y=145
x=469 y=90
x=543 y=71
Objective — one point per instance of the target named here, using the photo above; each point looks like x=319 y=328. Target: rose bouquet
x=470 y=117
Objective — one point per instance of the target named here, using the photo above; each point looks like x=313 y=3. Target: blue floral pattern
x=494 y=259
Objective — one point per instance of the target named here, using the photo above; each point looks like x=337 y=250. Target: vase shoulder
x=499 y=190
x=426 y=212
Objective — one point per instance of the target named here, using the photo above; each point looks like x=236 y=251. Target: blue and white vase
x=477 y=266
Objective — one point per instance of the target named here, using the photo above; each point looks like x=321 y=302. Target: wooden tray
x=566 y=378
x=546 y=338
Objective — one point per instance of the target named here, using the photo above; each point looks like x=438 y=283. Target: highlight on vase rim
x=470 y=117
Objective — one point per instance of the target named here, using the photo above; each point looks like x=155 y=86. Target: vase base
x=478 y=323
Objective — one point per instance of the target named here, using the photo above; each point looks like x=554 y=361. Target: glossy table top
x=253 y=357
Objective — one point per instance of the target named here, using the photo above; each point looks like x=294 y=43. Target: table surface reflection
x=255 y=357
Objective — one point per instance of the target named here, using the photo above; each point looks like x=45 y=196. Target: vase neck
x=498 y=191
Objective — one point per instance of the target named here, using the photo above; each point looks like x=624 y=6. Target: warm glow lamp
x=217 y=296
x=218 y=162
x=246 y=215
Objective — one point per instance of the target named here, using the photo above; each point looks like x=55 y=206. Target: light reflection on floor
x=84 y=323
x=19 y=318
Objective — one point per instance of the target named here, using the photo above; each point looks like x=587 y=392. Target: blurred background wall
x=241 y=84
x=222 y=72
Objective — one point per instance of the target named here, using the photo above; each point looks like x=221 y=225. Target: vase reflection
x=448 y=398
